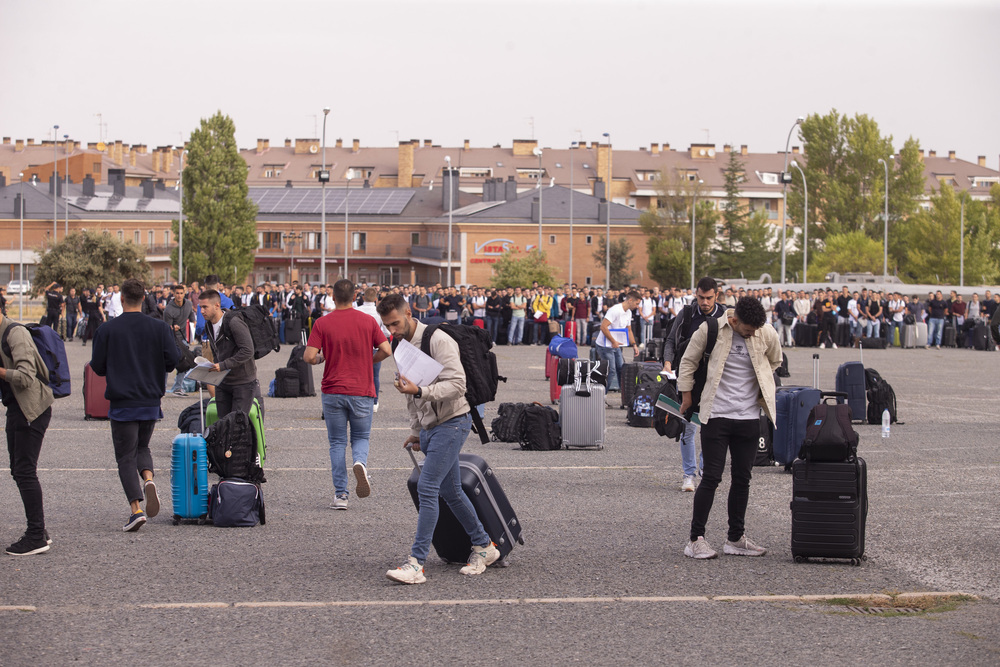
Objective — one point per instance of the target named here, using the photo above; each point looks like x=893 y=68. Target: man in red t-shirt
x=344 y=339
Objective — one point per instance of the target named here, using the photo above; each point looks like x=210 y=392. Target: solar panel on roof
x=362 y=201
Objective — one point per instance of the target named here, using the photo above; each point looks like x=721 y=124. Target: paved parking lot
x=601 y=577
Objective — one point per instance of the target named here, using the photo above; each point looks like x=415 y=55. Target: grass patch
x=924 y=604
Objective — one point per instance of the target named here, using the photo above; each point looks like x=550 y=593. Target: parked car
x=19 y=287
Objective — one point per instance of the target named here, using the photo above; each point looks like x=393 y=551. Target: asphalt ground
x=600 y=579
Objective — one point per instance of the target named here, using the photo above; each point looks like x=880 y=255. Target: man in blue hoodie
x=134 y=352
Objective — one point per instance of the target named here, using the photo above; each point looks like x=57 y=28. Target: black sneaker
x=28 y=546
x=134 y=522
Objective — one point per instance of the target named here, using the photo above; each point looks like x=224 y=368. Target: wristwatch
x=420 y=392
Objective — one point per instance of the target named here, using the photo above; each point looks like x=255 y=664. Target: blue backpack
x=52 y=350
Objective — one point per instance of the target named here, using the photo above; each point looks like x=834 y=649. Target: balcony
x=434 y=252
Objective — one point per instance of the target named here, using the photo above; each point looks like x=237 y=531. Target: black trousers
x=24 y=442
x=738 y=437
x=237 y=397
x=132 y=453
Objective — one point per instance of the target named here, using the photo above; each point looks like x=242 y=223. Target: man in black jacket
x=232 y=349
x=134 y=352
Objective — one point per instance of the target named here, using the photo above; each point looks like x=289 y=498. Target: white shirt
x=618 y=318
x=852 y=308
x=115 y=304
x=897 y=317
x=369 y=308
x=676 y=304
x=329 y=305
x=647 y=308
x=479 y=306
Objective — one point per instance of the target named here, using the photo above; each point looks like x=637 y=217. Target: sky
x=554 y=70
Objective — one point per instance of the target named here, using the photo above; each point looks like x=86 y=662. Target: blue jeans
x=376 y=368
x=688 y=454
x=441 y=476
x=339 y=410
x=615 y=360
x=935 y=327
x=493 y=326
x=516 y=330
x=872 y=329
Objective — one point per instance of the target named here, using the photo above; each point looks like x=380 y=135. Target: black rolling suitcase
x=842 y=335
x=805 y=335
x=829 y=509
x=630 y=382
x=950 y=337
x=450 y=540
x=296 y=360
x=981 y=337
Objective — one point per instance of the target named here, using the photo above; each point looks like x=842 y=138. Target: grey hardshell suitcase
x=582 y=418
x=908 y=336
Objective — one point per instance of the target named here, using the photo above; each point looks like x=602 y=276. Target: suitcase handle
x=409 y=450
x=841 y=396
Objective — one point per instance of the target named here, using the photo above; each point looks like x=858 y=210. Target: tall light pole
x=541 y=186
x=55 y=182
x=885 y=221
x=180 y=222
x=607 y=233
x=66 y=194
x=572 y=150
x=447 y=160
x=324 y=177
x=20 y=259
x=347 y=200
x=961 y=246
x=805 y=225
x=694 y=218
x=785 y=178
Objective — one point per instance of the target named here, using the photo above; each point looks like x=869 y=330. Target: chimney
x=366 y=184
x=981 y=160
x=921 y=151
x=666 y=147
x=288 y=143
x=168 y=159
x=6 y=141
x=488 y=190
x=119 y=154
x=148 y=189
x=17 y=205
x=3 y=180
x=261 y=147
x=404 y=178
x=427 y=143
x=603 y=211
x=604 y=165
x=465 y=146
x=599 y=190
x=116 y=177
x=19 y=145
x=525 y=147
x=727 y=148
x=654 y=149
x=535 y=206
x=951 y=155
x=29 y=142
x=510 y=189
x=593 y=145
x=55 y=185
x=449 y=188
x=356 y=145
x=131 y=156
x=288 y=183
x=931 y=153
x=795 y=150
x=157 y=161
x=743 y=149
x=141 y=148
x=88 y=186
x=340 y=143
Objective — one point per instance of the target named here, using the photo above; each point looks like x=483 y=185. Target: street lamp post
x=785 y=178
x=607 y=233
x=451 y=198
x=961 y=246
x=805 y=225
x=347 y=200
x=694 y=218
x=885 y=221
x=572 y=148
x=20 y=259
x=324 y=177
x=66 y=194
x=180 y=221
x=55 y=182
x=291 y=238
x=541 y=186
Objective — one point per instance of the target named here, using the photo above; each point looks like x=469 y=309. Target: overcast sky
x=492 y=71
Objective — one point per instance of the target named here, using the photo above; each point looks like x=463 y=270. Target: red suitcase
x=551 y=362
x=569 y=330
x=95 y=406
x=555 y=389
x=479 y=323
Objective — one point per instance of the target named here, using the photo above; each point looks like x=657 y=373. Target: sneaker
x=743 y=547
x=48 y=540
x=152 y=500
x=27 y=547
x=374 y=407
x=339 y=503
x=699 y=549
x=180 y=392
x=822 y=346
x=134 y=522
x=688 y=483
x=937 y=347
x=364 y=487
x=411 y=572
x=835 y=346
x=481 y=558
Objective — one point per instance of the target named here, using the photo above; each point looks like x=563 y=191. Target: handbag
x=787 y=319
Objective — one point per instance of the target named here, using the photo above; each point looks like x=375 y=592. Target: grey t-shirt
x=736 y=397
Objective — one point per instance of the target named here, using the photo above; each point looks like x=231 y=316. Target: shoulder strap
x=5 y=344
x=425 y=340
x=713 y=334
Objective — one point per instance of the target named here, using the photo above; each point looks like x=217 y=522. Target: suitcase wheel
x=177 y=520
x=503 y=562
x=801 y=559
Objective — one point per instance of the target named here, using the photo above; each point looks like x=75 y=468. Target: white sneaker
x=688 y=483
x=699 y=549
x=835 y=346
x=822 y=346
x=339 y=503
x=411 y=572
x=152 y=500
x=743 y=547
x=364 y=487
x=481 y=558
x=374 y=407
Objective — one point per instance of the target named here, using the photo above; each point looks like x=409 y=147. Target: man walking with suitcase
x=439 y=425
x=134 y=352
x=738 y=383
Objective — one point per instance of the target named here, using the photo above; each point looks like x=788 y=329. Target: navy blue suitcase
x=792 y=405
x=189 y=477
x=851 y=381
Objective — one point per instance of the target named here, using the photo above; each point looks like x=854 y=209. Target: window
x=475 y=172
x=121 y=235
x=166 y=237
x=588 y=280
x=362 y=172
x=532 y=174
x=414 y=238
x=310 y=241
x=273 y=170
x=358 y=241
x=590 y=240
x=552 y=239
x=97 y=168
x=768 y=178
x=269 y=240
x=135 y=237
x=648 y=175
x=152 y=238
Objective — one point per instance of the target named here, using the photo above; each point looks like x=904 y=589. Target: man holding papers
x=345 y=339
x=439 y=425
x=616 y=333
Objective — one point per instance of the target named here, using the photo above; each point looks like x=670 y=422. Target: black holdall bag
x=235 y=502
x=583 y=374
x=830 y=438
x=509 y=422
x=540 y=428
x=296 y=360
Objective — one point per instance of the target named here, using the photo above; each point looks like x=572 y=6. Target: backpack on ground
x=880 y=396
x=258 y=321
x=482 y=376
x=509 y=423
x=236 y=502
x=286 y=383
x=232 y=450
x=830 y=438
x=540 y=428
x=190 y=418
x=52 y=351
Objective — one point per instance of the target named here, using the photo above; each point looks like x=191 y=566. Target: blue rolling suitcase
x=792 y=405
x=189 y=477
x=851 y=381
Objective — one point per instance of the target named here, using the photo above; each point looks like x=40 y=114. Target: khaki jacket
x=765 y=355
x=27 y=374
x=444 y=398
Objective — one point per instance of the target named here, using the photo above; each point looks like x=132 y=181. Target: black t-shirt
x=53 y=300
x=936 y=308
x=842 y=305
x=990 y=307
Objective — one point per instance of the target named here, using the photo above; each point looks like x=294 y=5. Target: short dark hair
x=210 y=295
x=343 y=291
x=750 y=311
x=133 y=291
x=707 y=284
x=391 y=302
x=634 y=295
x=212 y=279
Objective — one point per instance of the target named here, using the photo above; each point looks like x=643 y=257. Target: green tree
x=846 y=253
x=746 y=249
x=89 y=258
x=755 y=242
x=619 y=261
x=520 y=269
x=220 y=233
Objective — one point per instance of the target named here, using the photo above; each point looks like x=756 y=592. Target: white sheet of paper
x=414 y=365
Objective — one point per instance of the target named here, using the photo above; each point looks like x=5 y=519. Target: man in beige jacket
x=738 y=384
x=24 y=384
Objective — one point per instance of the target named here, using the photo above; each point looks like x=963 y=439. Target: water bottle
x=885 y=423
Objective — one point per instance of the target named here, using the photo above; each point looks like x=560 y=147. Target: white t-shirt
x=852 y=307
x=479 y=306
x=736 y=397
x=618 y=318
x=329 y=304
x=897 y=317
x=647 y=308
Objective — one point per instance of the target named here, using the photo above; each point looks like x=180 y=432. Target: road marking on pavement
x=17 y=607
x=324 y=469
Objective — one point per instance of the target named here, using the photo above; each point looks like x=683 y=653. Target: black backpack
x=540 y=428
x=509 y=423
x=666 y=424
x=701 y=373
x=830 y=437
x=641 y=409
x=296 y=360
x=258 y=321
x=190 y=418
x=232 y=451
x=881 y=397
x=482 y=376
x=286 y=383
